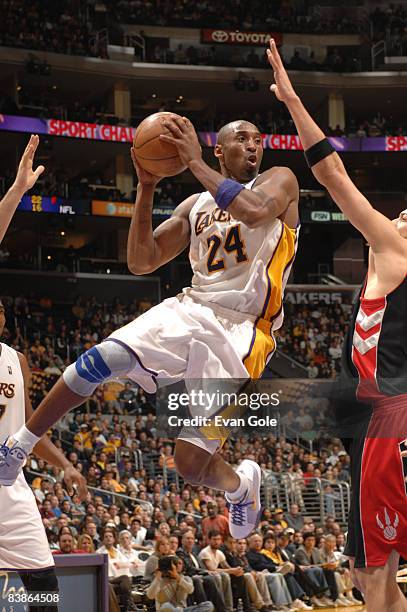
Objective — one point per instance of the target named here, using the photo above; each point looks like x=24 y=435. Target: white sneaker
x=319 y=603
x=353 y=600
x=342 y=601
x=12 y=460
x=329 y=602
x=301 y=605
x=245 y=515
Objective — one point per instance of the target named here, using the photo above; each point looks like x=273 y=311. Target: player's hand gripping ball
x=152 y=154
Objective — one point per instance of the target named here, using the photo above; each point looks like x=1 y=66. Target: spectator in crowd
x=170 y=588
x=138 y=534
x=214 y=561
x=66 y=543
x=127 y=399
x=286 y=568
x=302 y=574
x=342 y=574
x=308 y=554
x=214 y=521
x=85 y=543
x=118 y=568
x=205 y=584
x=278 y=518
x=256 y=592
x=294 y=518
x=277 y=586
x=126 y=549
x=161 y=549
x=91 y=530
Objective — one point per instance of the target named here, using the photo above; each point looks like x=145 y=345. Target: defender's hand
x=27 y=177
x=184 y=137
x=144 y=177
x=282 y=87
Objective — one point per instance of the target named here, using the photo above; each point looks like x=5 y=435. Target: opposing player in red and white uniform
x=375 y=358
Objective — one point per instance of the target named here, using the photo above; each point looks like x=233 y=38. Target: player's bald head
x=240 y=125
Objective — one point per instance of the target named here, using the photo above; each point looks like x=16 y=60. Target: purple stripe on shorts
x=133 y=352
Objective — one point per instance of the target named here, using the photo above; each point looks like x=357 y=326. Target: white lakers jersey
x=237 y=267
x=12 y=403
x=23 y=543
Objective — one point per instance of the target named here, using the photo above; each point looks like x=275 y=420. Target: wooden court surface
x=350 y=608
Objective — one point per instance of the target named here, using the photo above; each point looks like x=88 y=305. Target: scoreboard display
x=54 y=204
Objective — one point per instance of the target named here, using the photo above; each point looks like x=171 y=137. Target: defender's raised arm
x=25 y=179
x=328 y=168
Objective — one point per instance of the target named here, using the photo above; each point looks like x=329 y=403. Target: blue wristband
x=226 y=193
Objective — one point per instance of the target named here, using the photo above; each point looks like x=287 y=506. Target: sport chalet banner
x=116 y=133
x=235 y=37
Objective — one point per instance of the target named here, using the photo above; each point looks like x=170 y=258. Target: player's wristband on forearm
x=318 y=152
x=226 y=193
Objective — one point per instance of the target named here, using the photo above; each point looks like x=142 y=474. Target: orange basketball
x=154 y=155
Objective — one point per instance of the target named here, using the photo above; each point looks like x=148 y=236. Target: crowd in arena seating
x=274 y=16
x=48 y=25
x=140 y=513
x=72 y=28
x=52 y=335
x=389 y=24
x=274 y=120
x=313 y=335
x=47 y=331
x=345 y=59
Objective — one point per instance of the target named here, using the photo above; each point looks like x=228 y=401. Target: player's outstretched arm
x=148 y=250
x=25 y=179
x=45 y=449
x=276 y=191
x=330 y=171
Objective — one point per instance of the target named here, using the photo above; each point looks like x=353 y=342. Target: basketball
x=155 y=156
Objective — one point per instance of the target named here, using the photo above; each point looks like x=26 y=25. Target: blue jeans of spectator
x=317 y=577
x=279 y=592
x=205 y=606
x=295 y=589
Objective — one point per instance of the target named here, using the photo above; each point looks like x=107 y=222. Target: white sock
x=26 y=439
x=241 y=490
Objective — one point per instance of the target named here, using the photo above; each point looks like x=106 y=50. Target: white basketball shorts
x=23 y=543
x=181 y=339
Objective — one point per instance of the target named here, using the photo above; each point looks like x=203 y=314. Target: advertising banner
x=68 y=129
x=322 y=216
x=114 y=133
x=125 y=209
x=235 y=37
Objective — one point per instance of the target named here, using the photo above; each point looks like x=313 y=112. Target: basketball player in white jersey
x=23 y=543
x=242 y=233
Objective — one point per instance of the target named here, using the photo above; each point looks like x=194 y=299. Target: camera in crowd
x=167 y=564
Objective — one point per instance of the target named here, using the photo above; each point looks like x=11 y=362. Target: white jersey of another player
x=23 y=543
x=236 y=267
x=12 y=403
